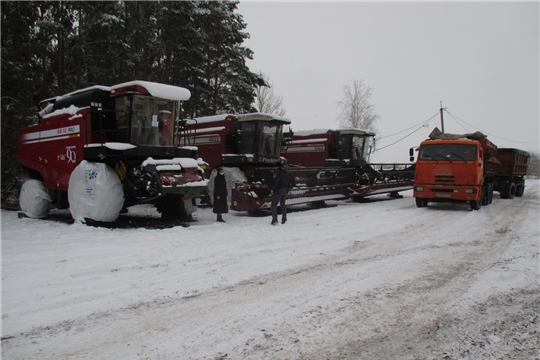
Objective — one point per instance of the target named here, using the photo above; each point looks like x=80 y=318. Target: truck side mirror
x=411 y=154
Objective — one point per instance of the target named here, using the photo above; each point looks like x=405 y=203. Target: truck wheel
x=485 y=196
x=34 y=199
x=421 y=202
x=476 y=204
x=95 y=192
x=510 y=189
x=490 y=193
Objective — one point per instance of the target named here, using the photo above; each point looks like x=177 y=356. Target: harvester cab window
x=247 y=138
x=449 y=152
x=270 y=140
x=152 y=121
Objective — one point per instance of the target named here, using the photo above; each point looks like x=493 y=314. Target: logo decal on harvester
x=67 y=132
x=71 y=154
x=90 y=175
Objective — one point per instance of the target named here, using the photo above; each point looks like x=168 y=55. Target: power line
x=519 y=142
x=422 y=123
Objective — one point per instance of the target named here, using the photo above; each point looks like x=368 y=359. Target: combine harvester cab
x=101 y=149
x=336 y=163
x=247 y=146
x=467 y=168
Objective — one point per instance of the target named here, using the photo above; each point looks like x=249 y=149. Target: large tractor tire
x=172 y=208
x=95 y=192
x=34 y=199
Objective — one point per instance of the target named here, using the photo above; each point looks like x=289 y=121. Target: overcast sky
x=480 y=59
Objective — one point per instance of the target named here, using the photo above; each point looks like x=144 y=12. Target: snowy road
x=379 y=280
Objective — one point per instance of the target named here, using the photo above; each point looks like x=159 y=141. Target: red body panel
x=54 y=148
x=213 y=139
x=309 y=151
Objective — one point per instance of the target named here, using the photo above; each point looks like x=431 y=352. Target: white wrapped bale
x=95 y=192
x=34 y=199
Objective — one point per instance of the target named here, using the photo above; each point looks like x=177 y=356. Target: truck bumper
x=447 y=192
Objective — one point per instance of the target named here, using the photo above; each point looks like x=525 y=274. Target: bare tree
x=265 y=99
x=357 y=111
x=534 y=164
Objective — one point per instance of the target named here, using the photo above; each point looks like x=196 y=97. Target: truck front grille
x=444 y=178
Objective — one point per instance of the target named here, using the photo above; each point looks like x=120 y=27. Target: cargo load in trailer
x=102 y=149
x=466 y=168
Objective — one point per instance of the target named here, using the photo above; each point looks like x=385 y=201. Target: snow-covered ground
x=377 y=280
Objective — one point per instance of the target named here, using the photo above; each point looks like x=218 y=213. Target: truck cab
x=466 y=168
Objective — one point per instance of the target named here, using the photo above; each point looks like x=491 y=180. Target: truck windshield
x=449 y=152
x=147 y=119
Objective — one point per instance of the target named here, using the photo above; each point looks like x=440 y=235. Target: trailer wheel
x=510 y=190
x=421 y=202
x=520 y=188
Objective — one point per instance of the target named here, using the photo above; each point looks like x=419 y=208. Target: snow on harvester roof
x=241 y=117
x=262 y=116
x=168 y=92
x=342 y=131
x=163 y=91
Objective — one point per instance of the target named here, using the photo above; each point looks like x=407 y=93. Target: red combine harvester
x=335 y=163
x=94 y=140
x=249 y=146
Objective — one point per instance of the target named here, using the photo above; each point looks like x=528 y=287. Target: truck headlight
x=470 y=191
x=419 y=188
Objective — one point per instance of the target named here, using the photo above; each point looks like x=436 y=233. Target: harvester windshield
x=262 y=138
x=148 y=120
x=355 y=146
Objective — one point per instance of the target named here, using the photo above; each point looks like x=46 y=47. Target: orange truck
x=466 y=168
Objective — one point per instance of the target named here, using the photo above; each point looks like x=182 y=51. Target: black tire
x=476 y=204
x=490 y=193
x=421 y=202
x=510 y=189
x=172 y=208
x=520 y=189
x=485 y=194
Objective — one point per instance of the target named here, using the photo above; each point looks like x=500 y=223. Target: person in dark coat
x=278 y=190
x=220 y=195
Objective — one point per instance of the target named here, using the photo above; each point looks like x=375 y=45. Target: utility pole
x=442 y=120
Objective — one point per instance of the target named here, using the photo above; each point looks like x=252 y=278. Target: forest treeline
x=50 y=48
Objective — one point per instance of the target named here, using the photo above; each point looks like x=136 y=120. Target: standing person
x=278 y=190
x=220 y=195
